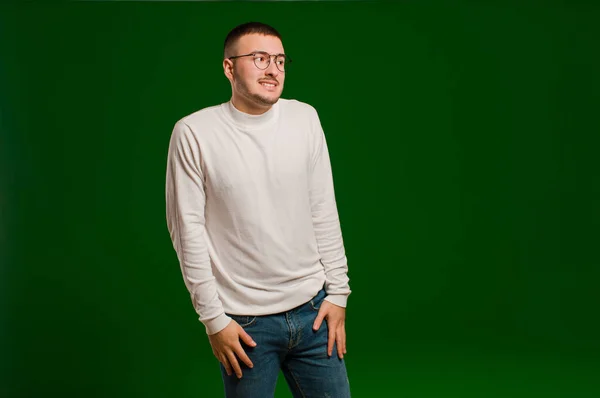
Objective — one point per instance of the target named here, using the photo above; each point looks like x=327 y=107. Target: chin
x=270 y=100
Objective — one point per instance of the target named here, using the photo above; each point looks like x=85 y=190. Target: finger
x=344 y=338
x=246 y=338
x=223 y=359
x=234 y=364
x=318 y=320
x=341 y=333
x=339 y=339
x=330 y=341
x=244 y=357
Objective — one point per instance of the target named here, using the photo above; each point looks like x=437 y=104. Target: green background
x=464 y=143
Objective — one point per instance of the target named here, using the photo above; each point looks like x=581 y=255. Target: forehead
x=258 y=42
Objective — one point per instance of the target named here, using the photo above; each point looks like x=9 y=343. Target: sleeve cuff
x=217 y=324
x=337 y=299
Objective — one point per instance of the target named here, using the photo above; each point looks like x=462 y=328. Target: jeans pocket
x=243 y=320
x=315 y=302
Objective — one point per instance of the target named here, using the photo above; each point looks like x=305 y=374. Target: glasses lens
x=262 y=60
x=281 y=62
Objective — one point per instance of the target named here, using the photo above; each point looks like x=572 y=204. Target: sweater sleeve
x=325 y=219
x=185 y=203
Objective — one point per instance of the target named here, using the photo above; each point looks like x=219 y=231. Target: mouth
x=269 y=85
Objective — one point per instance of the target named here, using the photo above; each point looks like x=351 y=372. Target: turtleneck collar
x=248 y=121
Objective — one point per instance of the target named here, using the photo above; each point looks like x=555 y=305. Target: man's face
x=256 y=90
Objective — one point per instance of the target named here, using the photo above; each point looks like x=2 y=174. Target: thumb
x=246 y=338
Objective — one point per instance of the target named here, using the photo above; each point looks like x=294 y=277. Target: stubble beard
x=255 y=97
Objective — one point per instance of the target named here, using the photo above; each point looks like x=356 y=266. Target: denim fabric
x=287 y=342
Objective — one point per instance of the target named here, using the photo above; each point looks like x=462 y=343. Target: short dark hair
x=246 y=29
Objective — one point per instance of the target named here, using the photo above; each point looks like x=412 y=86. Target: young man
x=252 y=215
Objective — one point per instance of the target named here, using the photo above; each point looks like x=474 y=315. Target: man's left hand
x=335 y=317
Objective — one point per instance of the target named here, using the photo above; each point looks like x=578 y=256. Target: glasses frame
x=287 y=59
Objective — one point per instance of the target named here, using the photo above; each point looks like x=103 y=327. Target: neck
x=248 y=120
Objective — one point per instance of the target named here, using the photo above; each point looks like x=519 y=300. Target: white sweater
x=251 y=211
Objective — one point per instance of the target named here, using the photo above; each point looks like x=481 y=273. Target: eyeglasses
x=262 y=60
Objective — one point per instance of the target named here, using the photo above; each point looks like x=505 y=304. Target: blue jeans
x=287 y=341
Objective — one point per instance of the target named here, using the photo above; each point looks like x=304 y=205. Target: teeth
x=268 y=84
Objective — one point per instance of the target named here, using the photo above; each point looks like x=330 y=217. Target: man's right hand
x=226 y=346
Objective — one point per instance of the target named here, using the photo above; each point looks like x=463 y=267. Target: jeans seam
x=296 y=381
x=290 y=327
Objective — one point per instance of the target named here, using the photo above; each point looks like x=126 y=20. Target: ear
x=228 y=69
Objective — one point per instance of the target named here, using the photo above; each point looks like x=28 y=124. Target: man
x=252 y=215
